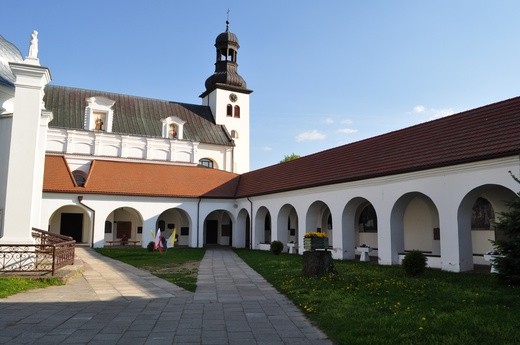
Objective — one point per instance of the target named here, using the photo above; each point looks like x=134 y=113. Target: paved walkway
x=115 y=303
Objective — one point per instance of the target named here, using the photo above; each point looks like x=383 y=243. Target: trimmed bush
x=414 y=263
x=150 y=246
x=276 y=247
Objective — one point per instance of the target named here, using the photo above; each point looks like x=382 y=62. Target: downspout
x=198 y=221
x=80 y=200
x=251 y=225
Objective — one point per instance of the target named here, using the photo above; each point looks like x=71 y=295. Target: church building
x=101 y=167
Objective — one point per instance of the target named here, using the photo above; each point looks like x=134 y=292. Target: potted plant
x=315 y=240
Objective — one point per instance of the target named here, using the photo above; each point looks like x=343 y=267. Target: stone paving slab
x=115 y=303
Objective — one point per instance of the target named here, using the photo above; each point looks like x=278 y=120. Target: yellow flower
x=315 y=234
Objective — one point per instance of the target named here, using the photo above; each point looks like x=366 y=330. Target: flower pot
x=314 y=243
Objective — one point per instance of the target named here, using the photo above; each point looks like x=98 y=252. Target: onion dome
x=226 y=74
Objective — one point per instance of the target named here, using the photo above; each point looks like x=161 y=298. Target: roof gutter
x=80 y=200
x=198 y=221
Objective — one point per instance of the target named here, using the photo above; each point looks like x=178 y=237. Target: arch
x=355 y=223
x=80 y=177
x=127 y=224
x=317 y=219
x=229 y=110
x=414 y=225
x=242 y=235
x=207 y=163
x=287 y=225
x=474 y=243
x=179 y=220
x=73 y=221
x=262 y=229
x=218 y=228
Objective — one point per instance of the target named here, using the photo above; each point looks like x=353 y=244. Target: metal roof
x=135 y=115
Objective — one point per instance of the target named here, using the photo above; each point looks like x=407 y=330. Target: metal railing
x=49 y=253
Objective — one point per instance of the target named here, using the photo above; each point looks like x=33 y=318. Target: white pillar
x=24 y=172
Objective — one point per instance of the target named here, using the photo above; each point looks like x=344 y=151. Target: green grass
x=13 y=285
x=178 y=265
x=370 y=304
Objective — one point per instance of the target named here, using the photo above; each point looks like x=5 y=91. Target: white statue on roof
x=32 y=57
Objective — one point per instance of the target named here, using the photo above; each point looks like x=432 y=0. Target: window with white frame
x=172 y=128
x=99 y=114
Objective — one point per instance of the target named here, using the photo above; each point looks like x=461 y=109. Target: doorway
x=211 y=231
x=72 y=225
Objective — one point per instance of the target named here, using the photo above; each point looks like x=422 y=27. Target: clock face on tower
x=233 y=97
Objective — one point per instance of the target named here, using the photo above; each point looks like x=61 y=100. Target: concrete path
x=115 y=303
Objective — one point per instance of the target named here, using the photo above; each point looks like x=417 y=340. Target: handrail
x=50 y=253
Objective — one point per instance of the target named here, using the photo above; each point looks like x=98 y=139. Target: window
x=234 y=134
x=237 y=111
x=229 y=110
x=79 y=177
x=99 y=114
x=206 y=162
x=173 y=128
x=483 y=215
x=108 y=227
x=368 y=219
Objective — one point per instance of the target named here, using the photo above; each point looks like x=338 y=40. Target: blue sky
x=323 y=73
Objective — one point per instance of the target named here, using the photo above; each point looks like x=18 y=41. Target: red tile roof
x=141 y=179
x=491 y=131
x=488 y=132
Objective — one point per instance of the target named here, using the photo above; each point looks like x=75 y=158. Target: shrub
x=414 y=263
x=150 y=246
x=276 y=247
x=508 y=261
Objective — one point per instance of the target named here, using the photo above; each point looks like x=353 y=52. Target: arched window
x=234 y=134
x=80 y=177
x=206 y=162
x=368 y=219
x=483 y=215
x=237 y=111
x=229 y=110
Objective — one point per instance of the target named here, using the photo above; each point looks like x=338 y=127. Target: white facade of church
x=431 y=209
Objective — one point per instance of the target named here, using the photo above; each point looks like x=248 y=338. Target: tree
x=507 y=262
x=290 y=157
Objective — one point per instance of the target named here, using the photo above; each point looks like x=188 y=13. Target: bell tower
x=228 y=97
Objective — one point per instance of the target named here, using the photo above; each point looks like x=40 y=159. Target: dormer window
x=79 y=177
x=173 y=128
x=99 y=114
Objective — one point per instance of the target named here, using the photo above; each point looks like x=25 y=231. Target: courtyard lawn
x=370 y=304
x=178 y=265
x=13 y=285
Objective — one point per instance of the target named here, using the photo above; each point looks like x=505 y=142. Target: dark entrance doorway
x=124 y=229
x=248 y=232
x=211 y=231
x=72 y=225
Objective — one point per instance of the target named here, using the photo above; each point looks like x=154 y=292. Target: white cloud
x=267 y=148
x=346 y=122
x=432 y=113
x=347 y=130
x=328 y=121
x=310 y=135
x=419 y=109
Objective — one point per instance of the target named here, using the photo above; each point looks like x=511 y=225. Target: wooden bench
x=135 y=243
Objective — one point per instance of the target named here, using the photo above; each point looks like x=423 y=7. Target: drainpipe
x=250 y=225
x=80 y=200
x=198 y=222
